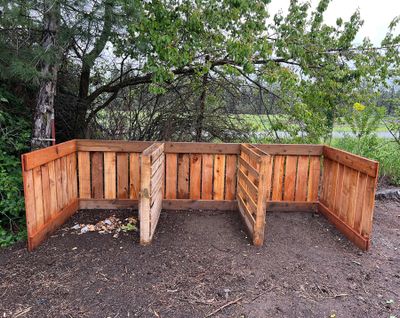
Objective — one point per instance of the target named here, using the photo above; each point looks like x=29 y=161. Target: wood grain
x=195 y=176
x=207 y=177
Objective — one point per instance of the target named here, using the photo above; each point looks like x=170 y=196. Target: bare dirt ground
x=201 y=264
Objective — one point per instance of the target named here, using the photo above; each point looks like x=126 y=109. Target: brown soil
x=201 y=261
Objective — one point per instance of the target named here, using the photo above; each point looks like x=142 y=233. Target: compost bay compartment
x=253 y=179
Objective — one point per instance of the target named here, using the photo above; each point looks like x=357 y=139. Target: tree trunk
x=44 y=112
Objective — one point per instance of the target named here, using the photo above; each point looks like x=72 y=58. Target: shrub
x=14 y=137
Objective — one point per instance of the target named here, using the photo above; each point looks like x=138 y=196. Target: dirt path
x=202 y=261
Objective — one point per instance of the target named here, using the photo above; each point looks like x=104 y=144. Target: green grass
x=260 y=123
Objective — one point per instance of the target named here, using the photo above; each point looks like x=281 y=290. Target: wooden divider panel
x=253 y=189
x=151 y=190
x=348 y=192
x=50 y=189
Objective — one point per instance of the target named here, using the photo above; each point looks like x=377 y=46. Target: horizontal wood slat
x=369 y=167
x=40 y=157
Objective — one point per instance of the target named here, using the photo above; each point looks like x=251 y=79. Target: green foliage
x=364 y=120
x=14 y=137
x=385 y=151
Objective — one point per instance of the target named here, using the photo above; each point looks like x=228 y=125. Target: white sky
x=377 y=14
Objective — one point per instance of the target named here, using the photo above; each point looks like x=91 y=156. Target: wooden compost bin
x=151 y=176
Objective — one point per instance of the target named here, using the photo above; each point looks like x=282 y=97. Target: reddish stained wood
x=37 y=185
x=359 y=203
x=109 y=175
x=314 y=179
x=278 y=174
x=97 y=175
x=46 y=192
x=74 y=176
x=338 y=191
x=183 y=176
x=345 y=195
x=302 y=178
x=171 y=178
x=39 y=157
x=219 y=177
x=353 y=180
x=324 y=181
x=122 y=176
x=332 y=186
x=207 y=177
x=350 y=160
x=195 y=176
x=64 y=178
x=368 y=211
x=59 y=184
x=69 y=178
x=84 y=174
x=53 y=188
x=134 y=176
x=230 y=177
x=29 y=194
x=290 y=178
x=291 y=149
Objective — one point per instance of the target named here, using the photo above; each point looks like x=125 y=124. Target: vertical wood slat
x=359 y=205
x=183 y=176
x=134 y=176
x=64 y=179
x=195 y=176
x=218 y=179
x=46 y=192
x=314 y=179
x=84 y=174
x=97 y=175
x=53 y=188
x=207 y=177
x=69 y=178
x=230 y=177
x=59 y=184
x=122 y=176
x=290 y=178
x=302 y=178
x=278 y=175
x=369 y=202
x=145 y=199
x=29 y=194
x=338 y=190
x=37 y=184
x=345 y=195
x=74 y=176
x=171 y=171
x=332 y=184
x=324 y=185
x=110 y=190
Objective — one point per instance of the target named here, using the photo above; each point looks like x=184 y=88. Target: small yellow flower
x=359 y=107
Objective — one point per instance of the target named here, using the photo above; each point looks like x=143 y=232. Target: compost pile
x=110 y=225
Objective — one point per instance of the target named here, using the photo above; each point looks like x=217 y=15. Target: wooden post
x=144 y=199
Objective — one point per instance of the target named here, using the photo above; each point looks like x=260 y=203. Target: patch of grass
x=261 y=123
